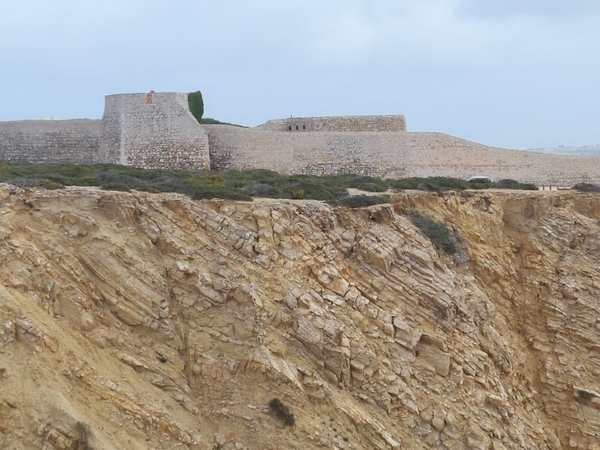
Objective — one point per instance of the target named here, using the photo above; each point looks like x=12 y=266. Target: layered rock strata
x=135 y=321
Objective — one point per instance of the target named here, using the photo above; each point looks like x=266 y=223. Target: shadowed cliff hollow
x=138 y=321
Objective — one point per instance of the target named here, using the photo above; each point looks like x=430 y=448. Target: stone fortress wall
x=141 y=130
x=339 y=124
x=390 y=155
x=152 y=131
x=51 y=141
x=158 y=131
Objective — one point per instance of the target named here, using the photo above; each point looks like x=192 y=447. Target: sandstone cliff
x=141 y=321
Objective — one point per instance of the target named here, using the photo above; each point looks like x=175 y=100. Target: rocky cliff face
x=140 y=321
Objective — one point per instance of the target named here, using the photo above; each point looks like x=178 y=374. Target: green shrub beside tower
x=196 y=104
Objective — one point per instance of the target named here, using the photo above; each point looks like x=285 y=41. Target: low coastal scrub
x=234 y=185
x=587 y=187
x=440 y=184
x=435 y=184
x=360 y=201
x=437 y=232
x=512 y=184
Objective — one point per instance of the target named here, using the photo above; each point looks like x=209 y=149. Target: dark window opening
x=296 y=127
x=304 y=127
x=290 y=128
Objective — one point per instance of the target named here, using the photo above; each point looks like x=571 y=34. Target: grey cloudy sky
x=512 y=73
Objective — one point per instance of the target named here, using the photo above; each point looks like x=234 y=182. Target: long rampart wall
x=157 y=130
x=153 y=131
x=342 y=124
x=51 y=141
x=390 y=155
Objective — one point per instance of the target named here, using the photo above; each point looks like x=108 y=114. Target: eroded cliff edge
x=136 y=321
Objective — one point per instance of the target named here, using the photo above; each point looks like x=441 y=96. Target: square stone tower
x=152 y=131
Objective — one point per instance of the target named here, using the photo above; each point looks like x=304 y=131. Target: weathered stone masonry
x=390 y=155
x=161 y=133
x=158 y=131
x=50 y=141
x=340 y=124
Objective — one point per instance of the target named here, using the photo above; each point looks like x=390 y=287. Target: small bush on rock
x=84 y=434
x=298 y=194
x=282 y=412
x=51 y=184
x=437 y=232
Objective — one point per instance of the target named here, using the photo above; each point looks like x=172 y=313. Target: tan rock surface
x=142 y=321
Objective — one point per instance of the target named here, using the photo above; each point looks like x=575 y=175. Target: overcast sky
x=510 y=73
